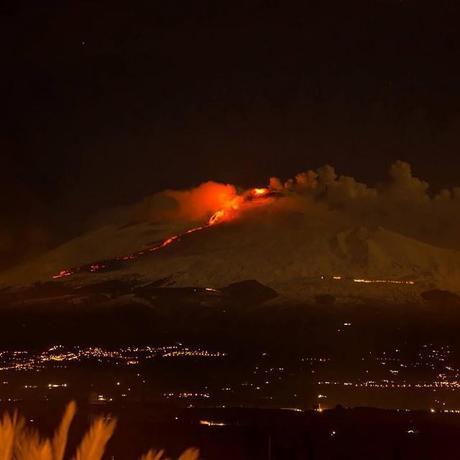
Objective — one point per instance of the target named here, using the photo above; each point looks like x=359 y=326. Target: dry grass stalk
x=93 y=445
x=19 y=443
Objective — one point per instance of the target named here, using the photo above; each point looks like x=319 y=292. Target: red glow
x=169 y=240
x=217 y=217
x=165 y=243
x=260 y=191
x=63 y=274
x=96 y=267
x=229 y=203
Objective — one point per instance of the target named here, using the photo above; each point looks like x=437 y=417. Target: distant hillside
x=298 y=256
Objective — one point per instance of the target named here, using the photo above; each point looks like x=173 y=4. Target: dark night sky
x=104 y=104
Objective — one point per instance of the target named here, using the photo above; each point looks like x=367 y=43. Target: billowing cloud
x=202 y=201
x=322 y=199
x=194 y=204
x=403 y=203
x=190 y=205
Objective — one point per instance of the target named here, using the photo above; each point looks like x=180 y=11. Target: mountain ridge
x=297 y=256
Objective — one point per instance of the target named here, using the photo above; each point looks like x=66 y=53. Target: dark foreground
x=378 y=355
x=265 y=434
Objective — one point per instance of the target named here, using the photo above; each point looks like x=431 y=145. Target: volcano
x=301 y=256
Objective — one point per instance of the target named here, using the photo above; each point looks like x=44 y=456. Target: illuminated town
x=140 y=374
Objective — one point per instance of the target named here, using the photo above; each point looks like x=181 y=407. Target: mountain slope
x=299 y=256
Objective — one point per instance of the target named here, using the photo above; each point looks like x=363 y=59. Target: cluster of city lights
x=186 y=353
x=431 y=367
x=386 y=384
x=59 y=356
x=367 y=280
x=187 y=395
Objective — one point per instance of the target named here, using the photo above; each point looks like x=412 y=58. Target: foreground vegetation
x=20 y=442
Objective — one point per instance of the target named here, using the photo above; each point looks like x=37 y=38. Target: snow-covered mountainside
x=298 y=255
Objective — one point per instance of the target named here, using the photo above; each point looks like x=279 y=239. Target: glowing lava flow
x=216 y=217
x=222 y=215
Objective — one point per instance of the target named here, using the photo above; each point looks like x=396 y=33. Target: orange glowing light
x=63 y=274
x=168 y=241
x=217 y=217
x=206 y=197
x=260 y=191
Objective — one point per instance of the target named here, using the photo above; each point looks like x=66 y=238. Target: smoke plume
x=403 y=203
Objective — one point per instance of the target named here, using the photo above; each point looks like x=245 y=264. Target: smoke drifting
x=403 y=203
x=181 y=206
x=326 y=202
x=200 y=202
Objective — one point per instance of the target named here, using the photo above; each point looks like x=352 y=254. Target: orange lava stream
x=222 y=215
